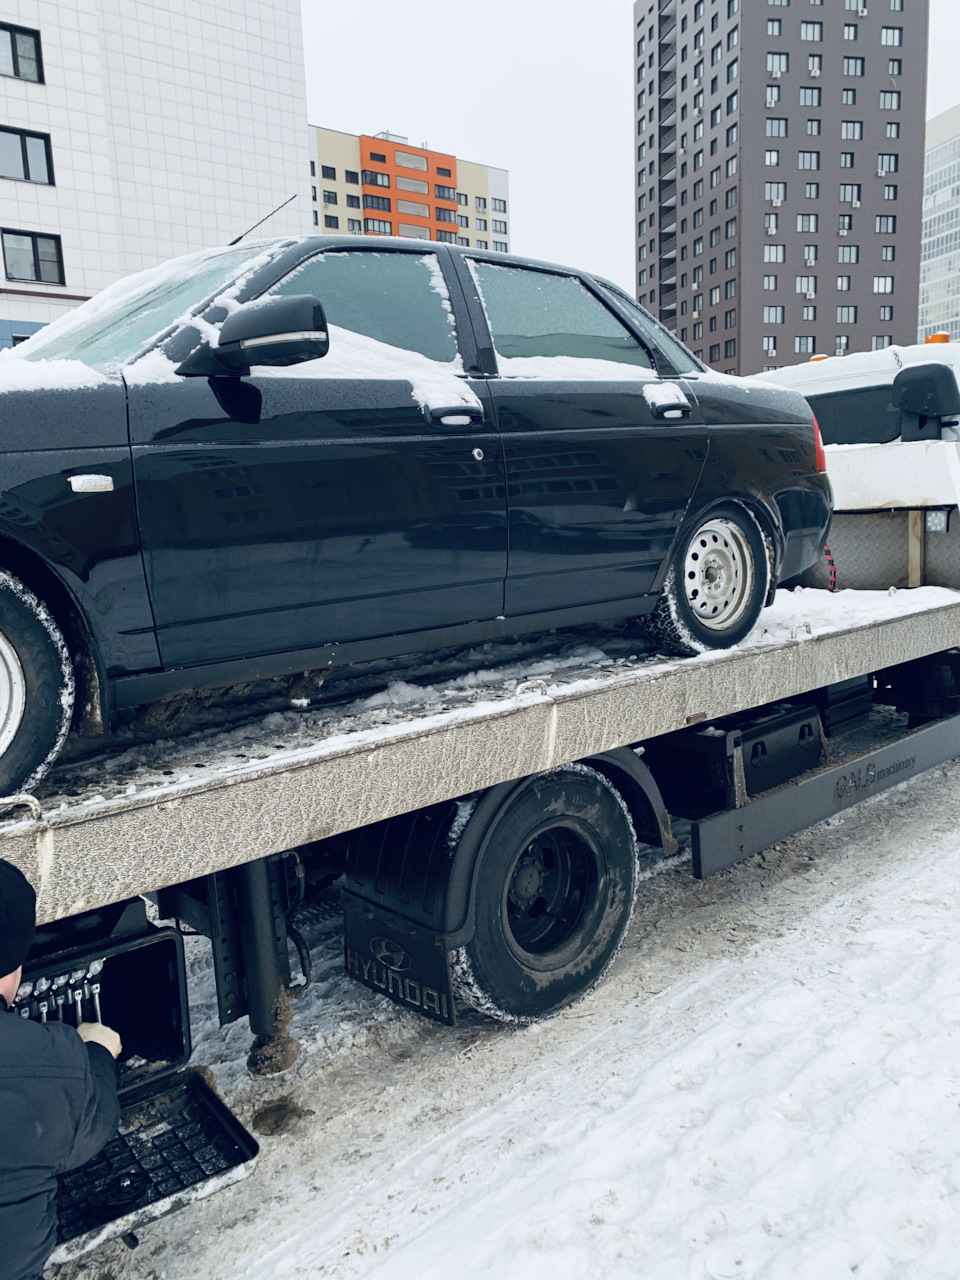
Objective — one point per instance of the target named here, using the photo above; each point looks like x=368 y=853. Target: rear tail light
x=818 y=442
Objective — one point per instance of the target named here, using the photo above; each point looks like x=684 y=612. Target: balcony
x=668 y=80
x=668 y=246
x=668 y=25
x=668 y=195
x=668 y=140
x=668 y=168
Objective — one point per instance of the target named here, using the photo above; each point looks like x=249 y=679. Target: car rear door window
x=543 y=316
x=393 y=297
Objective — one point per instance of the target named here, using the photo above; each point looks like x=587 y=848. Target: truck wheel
x=715 y=586
x=554 y=891
x=36 y=687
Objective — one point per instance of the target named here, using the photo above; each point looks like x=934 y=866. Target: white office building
x=940 y=249
x=133 y=131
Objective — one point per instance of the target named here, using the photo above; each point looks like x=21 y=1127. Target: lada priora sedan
x=299 y=453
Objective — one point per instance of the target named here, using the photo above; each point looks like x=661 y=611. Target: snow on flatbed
x=183 y=808
x=765 y=1088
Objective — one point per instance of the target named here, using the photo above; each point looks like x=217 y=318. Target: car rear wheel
x=36 y=687
x=554 y=892
x=715 y=586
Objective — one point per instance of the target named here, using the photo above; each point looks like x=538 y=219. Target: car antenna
x=257 y=224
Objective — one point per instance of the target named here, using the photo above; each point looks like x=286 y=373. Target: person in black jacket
x=58 y=1097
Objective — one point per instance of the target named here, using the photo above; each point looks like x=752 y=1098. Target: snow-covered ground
x=766 y=1086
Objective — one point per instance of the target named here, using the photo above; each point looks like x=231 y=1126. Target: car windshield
x=128 y=317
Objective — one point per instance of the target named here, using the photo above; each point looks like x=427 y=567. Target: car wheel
x=715 y=586
x=554 y=891
x=36 y=687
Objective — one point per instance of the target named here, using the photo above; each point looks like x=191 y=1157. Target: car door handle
x=455 y=415
x=666 y=400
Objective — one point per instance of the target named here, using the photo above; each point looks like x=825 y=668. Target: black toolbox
x=177 y=1140
x=720 y=765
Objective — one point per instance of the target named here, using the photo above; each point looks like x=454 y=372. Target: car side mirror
x=928 y=389
x=271 y=331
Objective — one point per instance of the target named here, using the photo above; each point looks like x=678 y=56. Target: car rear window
x=394 y=297
x=536 y=314
x=863 y=416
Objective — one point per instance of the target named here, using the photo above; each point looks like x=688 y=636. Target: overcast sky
x=543 y=88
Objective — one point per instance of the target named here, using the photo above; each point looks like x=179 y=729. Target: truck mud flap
x=397 y=958
x=726 y=838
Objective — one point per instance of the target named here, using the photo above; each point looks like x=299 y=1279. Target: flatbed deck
x=144 y=830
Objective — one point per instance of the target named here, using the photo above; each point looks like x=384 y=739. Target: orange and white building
x=379 y=185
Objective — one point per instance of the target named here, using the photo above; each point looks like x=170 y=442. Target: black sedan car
x=300 y=453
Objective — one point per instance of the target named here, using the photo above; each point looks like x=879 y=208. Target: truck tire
x=715 y=586
x=554 y=890
x=36 y=687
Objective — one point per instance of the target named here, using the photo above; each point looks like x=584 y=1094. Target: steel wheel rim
x=549 y=892
x=13 y=694
x=718 y=574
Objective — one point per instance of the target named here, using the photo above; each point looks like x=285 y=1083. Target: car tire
x=554 y=890
x=36 y=688
x=715 y=586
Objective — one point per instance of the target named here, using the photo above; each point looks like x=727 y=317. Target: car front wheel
x=715 y=586
x=36 y=687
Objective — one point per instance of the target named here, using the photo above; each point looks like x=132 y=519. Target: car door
x=602 y=454
x=330 y=501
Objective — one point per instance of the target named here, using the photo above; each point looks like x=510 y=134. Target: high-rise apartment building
x=131 y=132
x=779 y=174
x=380 y=185
x=940 y=248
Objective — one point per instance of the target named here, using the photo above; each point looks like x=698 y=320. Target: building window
x=770 y=344
x=444 y=193
x=462 y=198
x=889 y=100
x=313 y=168
x=351 y=175
x=377 y=202
x=894 y=67
x=328 y=172
x=698 y=189
x=499 y=228
x=730 y=199
x=480 y=203
x=808 y=222
x=880 y=341
x=500 y=246
x=20 y=53
x=770 y=283
x=849 y=31
x=716 y=53
x=888 y=162
x=463 y=220
x=378 y=226
x=848 y=253
x=890 y=192
x=462 y=240
x=845 y=222
x=804 y=344
x=313 y=193
x=846 y=315
x=373 y=179
x=809 y=312
x=25 y=156
x=773 y=95
x=29 y=256
x=377 y=158
x=813 y=128
x=774 y=27
x=773 y=315
x=354 y=226
x=812 y=191
x=353 y=202
x=851 y=130
x=730 y=228
x=893 y=129
x=810 y=97
x=886 y=224
x=729 y=262
x=733 y=101
x=891 y=35
x=771 y=159
x=731 y=167
x=444 y=215
x=888 y=253
x=331 y=222
x=843 y=284
x=730 y=348
x=444 y=173
x=883 y=284
x=842 y=344
x=481 y=224
x=714 y=353
x=853 y=66
x=316 y=218
x=815 y=64
x=330 y=197
x=774 y=253
x=778 y=64
x=698 y=246
x=776 y=127
x=886 y=313
x=811 y=30
x=498 y=206
x=448 y=237
x=850 y=193
x=730 y=319
x=730 y=289
x=715 y=175
x=733 y=70
x=806 y=284
x=849 y=97
x=846 y=159
x=808 y=160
